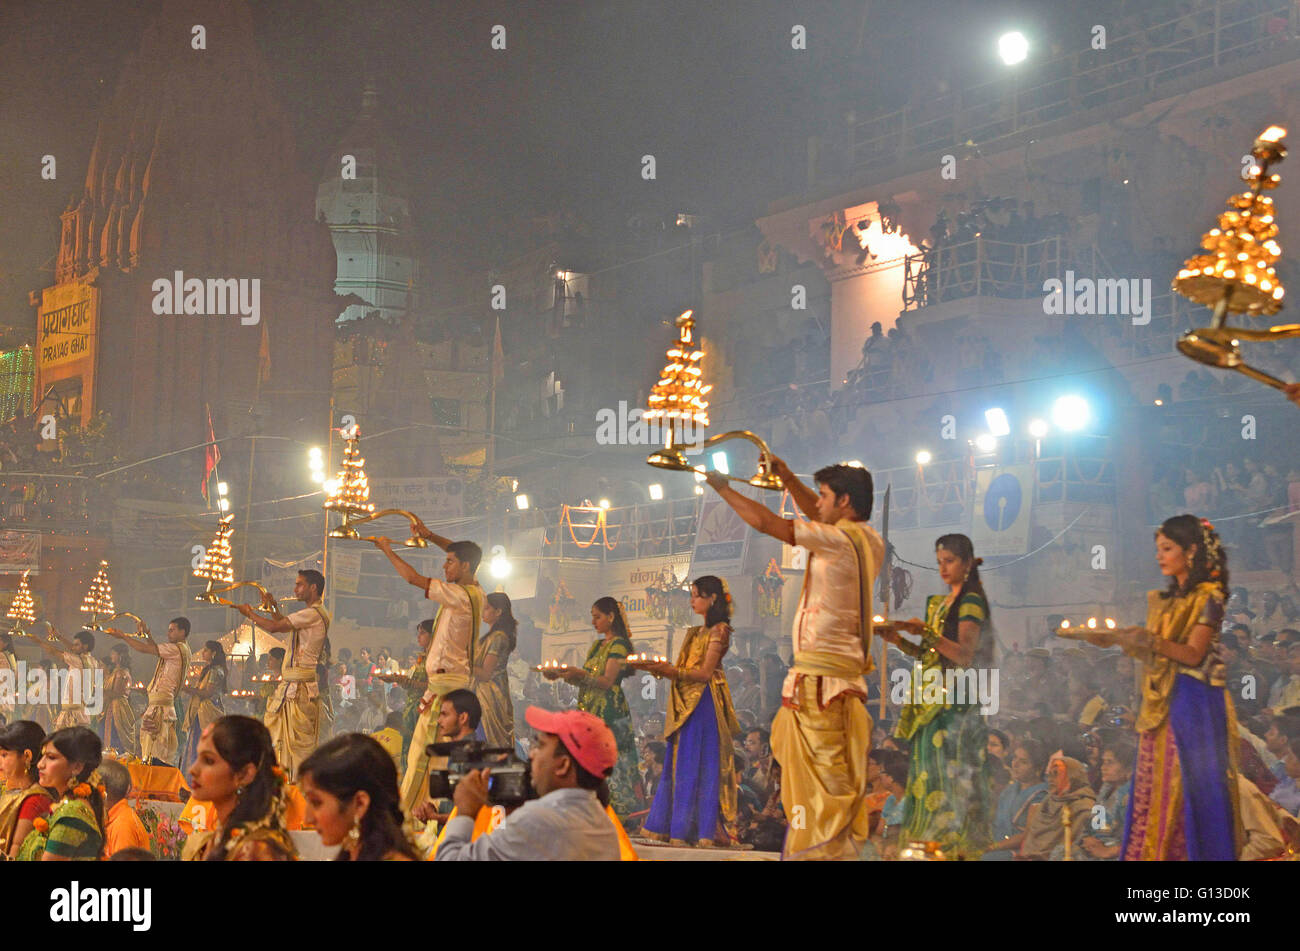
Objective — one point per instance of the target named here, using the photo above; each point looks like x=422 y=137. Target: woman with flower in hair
x=74 y=831
x=236 y=771
x=1184 y=800
x=947 y=797
x=599 y=692
x=698 y=789
x=24 y=799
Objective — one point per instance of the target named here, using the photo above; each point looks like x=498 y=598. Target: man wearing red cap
x=572 y=753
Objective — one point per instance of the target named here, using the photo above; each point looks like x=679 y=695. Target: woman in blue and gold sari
x=698 y=789
x=118 y=722
x=1184 y=802
x=599 y=692
x=74 y=831
x=205 y=705
x=947 y=798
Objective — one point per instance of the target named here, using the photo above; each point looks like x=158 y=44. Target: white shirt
x=449 y=649
x=167 y=676
x=310 y=627
x=827 y=619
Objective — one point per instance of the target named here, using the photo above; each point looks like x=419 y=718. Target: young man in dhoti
x=822 y=734
x=76 y=653
x=158 y=739
x=450 y=660
x=293 y=714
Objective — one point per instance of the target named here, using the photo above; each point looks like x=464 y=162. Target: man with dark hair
x=122 y=827
x=573 y=752
x=158 y=739
x=459 y=715
x=76 y=653
x=293 y=714
x=822 y=734
x=449 y=663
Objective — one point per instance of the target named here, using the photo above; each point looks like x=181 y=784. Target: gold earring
x=353 y=838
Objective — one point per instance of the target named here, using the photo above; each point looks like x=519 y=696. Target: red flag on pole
x=211 y=456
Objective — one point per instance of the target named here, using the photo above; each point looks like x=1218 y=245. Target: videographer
x=572 y=753
x=457 y=720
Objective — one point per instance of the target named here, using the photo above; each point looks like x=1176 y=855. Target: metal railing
x=1133 y=65
x=982 y=267
x=939 y=494
x=634 y=531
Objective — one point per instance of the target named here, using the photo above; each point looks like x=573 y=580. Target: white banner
x=432 y=499
x=279 y=577
x=20 y=551
x=1000 y=517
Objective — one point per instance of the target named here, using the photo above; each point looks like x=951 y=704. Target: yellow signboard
x=66 y=324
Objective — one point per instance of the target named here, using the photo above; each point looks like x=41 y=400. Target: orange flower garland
x=41 y=824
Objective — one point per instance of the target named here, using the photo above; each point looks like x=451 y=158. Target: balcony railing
x=634 y=531
x=1133 y=65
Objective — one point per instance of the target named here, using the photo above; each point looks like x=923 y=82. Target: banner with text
x=20 y=551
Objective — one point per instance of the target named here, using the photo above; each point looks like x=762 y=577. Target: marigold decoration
x=678 y=397
x=99 y=599
x=23 y=608
x=41 y=824
x=215 y=566
x=771 y=588
x=351 y=495
x=1238 y=272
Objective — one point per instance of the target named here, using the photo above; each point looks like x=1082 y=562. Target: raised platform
x=648 y=851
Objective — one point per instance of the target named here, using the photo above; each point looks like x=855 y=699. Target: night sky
x=557 y=121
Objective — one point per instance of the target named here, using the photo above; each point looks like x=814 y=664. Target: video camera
x=509 y=782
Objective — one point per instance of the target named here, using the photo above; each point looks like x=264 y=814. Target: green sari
x=947 y=798
x=73 y=834
x=414 y=691
x=494 y=693
x=611 y=706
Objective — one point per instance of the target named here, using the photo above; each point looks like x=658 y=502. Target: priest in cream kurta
x=450 y=661
x=822 y=734
x=158 y=740
x=293 y=713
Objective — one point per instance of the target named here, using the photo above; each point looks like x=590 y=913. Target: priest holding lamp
x=822 y=733
x=293 y=713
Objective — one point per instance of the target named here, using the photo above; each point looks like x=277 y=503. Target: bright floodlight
x=314 y=454
x=330 y=485
x=1013 y=47
x=604 y=503
x=521 y=502
x=656 y=492
x=222 y=488
x=997 y=420
x=1071 y=413
x=986 y=442
x=499 y=567
x=923 y=457
x=720 y=463
x=699 y=490
x=224 y=504
x=1038 y=428
x=318 y=475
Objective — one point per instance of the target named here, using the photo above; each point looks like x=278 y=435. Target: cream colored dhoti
x=161 y=742
x=293 y=719
x=415 y=780
x=823 y=757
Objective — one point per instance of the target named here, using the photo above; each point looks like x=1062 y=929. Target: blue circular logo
x=1002 y=502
